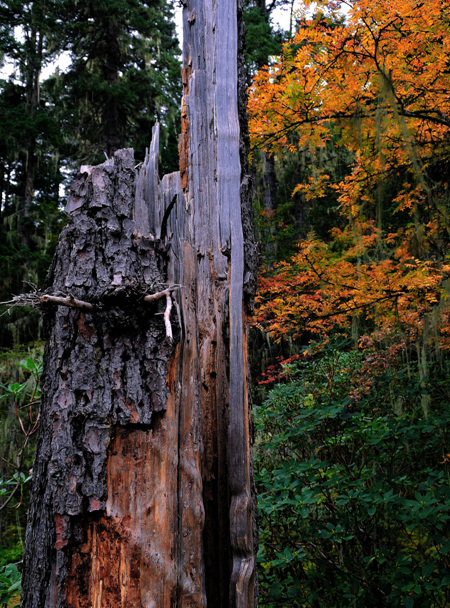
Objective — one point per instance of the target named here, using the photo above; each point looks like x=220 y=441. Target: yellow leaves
x=331 y=73
x=409 y=198
x=315 y=188
x=378 y=86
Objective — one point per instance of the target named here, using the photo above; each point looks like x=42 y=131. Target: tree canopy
x=376 y=85
x=352 y=449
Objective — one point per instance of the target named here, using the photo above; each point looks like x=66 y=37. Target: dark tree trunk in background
x=269 y=181
x=34 y=42
x=269 y=201
x=142 y=489
x=114 y=137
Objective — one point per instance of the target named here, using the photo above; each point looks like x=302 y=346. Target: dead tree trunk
x=142 y=490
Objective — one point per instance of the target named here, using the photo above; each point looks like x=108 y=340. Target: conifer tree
x=125 y=75
x=29 y=179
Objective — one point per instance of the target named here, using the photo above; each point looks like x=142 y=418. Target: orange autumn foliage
x=318 y=290
x=377 y=84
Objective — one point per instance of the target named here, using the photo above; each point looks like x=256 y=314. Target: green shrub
x=354 y=496
x=19 y=402
x=10 y=584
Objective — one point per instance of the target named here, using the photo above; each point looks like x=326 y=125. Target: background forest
x=349 y=117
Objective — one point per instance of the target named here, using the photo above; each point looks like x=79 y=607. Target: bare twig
x=26 y=405
x=168 y=294
x=24 y=299
x=36 y=298
x=157 y=296
x=161 y=294
x=67 y=301
x=18 y=467
x=19 y=418
x=167 y=317
x=11 y=496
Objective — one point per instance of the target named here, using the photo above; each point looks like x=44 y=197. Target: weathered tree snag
x=142 y=490
x=212 y=186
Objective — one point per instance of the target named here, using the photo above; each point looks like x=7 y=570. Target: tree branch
x=67 y=301
x=167 y=317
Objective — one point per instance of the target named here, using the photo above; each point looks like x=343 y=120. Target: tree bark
x=269 y=181
x=142 y=489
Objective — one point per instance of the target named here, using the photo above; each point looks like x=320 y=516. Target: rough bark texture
x=142 y=491
x=105 y=376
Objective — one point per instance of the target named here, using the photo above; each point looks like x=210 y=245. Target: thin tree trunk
x=114 y=136
x=142 y=489
x=35 y=43
x=269 y=181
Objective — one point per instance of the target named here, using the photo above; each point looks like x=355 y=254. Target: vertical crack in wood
x=181 y=270
x=213 y=193
x=183 y=141
x=229 y=184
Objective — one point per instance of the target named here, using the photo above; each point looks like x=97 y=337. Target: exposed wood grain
x=186 y=389
x=213 y=186
x=129 y=554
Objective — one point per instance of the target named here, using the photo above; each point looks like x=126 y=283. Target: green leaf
x=29 y=365
x=15 y=388
x=15 y=587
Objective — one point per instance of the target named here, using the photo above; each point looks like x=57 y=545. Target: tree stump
x=142 y=484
